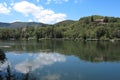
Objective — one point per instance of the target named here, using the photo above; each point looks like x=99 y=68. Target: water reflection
x=25 y=69
x=88 y=51
x=3 y=60
x=51 y=77
x=5 y=71
x=41 y=60
x=2 y=56
x=59 y=60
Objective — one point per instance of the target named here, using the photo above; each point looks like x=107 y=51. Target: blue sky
x=52 y=11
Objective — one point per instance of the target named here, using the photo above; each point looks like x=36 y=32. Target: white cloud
x=12 y=2
x=4 y=9
x=39 y=13
x=30 y=20
x=39 y=61
x=17 y=20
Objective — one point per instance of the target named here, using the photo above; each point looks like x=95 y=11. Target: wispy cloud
x=56 y=1
x=12 y=2
x=38 y=12
x=38 y=0
x=76 y=1
x=4 y=9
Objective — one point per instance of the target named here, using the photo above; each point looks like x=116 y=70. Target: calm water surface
x=59 y=60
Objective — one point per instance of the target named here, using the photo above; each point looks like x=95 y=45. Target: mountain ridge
x=21 y=24
x=97 y=18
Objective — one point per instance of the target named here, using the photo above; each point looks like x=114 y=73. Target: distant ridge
x=88 y=20
x=21 y=24
x=35 y=24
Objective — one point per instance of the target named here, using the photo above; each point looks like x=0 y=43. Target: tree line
x=87 y=28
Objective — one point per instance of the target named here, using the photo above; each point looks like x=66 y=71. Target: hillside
x=65 y=23
x=21 y=24
x=87 y=28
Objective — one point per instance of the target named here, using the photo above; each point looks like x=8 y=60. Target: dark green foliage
x=91 y=27
x=105 y=19
x=64 y=23
x=100 y=31
x=112 y=19
x=92 y=19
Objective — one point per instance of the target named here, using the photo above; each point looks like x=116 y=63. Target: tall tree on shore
x=92 y=19
x=105 y=19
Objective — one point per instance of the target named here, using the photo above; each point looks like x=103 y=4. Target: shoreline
x=71 y=39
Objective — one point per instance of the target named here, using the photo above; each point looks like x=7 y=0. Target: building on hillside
x=99 y=20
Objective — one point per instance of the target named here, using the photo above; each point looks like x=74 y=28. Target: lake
x=59 y=60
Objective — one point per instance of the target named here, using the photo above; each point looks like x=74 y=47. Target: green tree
x=92 y=19
x=100 y=31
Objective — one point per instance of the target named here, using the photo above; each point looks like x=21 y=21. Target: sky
x=53 y=11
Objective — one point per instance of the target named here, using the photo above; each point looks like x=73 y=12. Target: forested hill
x=87 y=28
x=21 y=24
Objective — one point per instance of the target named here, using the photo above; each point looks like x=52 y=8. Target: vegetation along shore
x=87 y=28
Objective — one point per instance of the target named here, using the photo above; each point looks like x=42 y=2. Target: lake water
x=59 y=60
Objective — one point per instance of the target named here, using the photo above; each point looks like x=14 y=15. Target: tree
x=105 y=19
x=92 y=19
x=100 y=31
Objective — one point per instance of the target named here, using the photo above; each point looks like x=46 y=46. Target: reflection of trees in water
x=3 y=60
x=89 y=51
x=2 y=56
x=8 y=74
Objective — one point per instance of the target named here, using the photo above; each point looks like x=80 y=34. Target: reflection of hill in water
x=92 y=51
x=89 y=51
